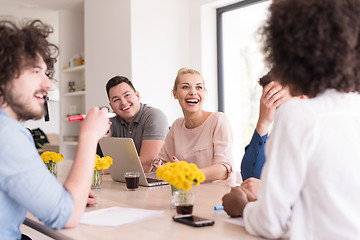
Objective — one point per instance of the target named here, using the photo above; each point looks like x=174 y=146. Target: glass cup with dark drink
x=132 y=180
x=184 y=201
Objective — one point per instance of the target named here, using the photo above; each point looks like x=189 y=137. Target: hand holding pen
x=95 y=124
x=81 y=117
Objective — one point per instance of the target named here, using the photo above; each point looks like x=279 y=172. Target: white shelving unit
x=75 y=69
x=73 y=103
x=71 y=44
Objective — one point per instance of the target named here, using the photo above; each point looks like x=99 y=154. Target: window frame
x=219 y=39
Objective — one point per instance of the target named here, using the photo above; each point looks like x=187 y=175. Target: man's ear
x=137 y=95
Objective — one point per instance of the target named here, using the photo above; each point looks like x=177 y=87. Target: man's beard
x=22 y=110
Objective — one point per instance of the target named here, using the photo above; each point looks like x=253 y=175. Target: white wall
x=51 y=18
x=107 y=46
x=160 y=47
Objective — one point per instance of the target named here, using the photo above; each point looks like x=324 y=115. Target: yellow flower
x=159 y=172
x=181 y=174
x=51 y=156
x=102 y=163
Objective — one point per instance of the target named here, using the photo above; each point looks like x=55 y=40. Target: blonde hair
x=184 y=71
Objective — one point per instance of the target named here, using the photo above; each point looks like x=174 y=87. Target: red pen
x=81 y=117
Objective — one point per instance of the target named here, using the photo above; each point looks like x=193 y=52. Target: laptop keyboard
x=153 y=180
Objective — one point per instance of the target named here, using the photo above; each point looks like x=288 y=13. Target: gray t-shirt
x=150 y=123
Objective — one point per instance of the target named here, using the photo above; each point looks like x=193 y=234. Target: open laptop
x=126 y=159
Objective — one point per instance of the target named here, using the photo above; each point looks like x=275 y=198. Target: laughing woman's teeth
x=39 y=95
x=192 y=101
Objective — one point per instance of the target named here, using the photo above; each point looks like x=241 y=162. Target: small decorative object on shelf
x=181 y=176
x=51 y=159
x=76 y=60
x=100 y=163
x=71 y=86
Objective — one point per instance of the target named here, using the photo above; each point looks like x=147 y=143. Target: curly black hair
x=266 y=79
x=21 y=46
x=313 y=45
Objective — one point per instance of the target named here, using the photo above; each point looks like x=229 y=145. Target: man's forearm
x=79 y=179
x=149 y=150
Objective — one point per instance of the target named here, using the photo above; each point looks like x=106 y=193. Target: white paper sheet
x=115 y=216
x=237 y=221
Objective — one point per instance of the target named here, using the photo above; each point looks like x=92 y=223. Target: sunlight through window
x=243 y=65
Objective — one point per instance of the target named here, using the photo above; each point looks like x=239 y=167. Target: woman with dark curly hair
x=310 y=181
x=26 y=66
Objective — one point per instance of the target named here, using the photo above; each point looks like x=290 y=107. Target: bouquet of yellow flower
x=51 y=159
x=181 y=175
x=102 y=163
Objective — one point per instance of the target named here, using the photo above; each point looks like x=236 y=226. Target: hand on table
x=92 y=199
x=235 y=202
x=252 y=185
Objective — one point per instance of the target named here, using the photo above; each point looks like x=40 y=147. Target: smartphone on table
x=192 y=220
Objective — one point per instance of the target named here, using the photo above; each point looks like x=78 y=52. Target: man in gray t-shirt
x=147 y=126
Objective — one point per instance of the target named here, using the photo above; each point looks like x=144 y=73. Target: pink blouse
x=205 y=145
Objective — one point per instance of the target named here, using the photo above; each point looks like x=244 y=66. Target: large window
x=240 y=65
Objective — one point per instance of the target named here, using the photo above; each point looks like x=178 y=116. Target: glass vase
x=184 y=201
x=52 y=167
x=172 y=200
x=96 y=181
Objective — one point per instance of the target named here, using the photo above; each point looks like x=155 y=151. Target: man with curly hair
x=26 y=66
x=310 y=181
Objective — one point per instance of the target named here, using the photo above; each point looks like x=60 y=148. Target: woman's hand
x=174 y=159
x=156 y=163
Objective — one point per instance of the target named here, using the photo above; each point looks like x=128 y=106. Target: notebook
x=126 y=159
